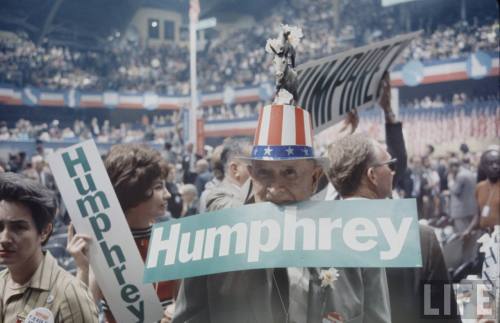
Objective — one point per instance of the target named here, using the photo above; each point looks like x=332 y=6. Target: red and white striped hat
x=284 y=132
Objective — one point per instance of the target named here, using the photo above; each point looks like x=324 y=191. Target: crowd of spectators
x=235 y=59
x=437 y=101
x=158 y=131
x=232 y=111
x=444 y=186
x=454 y=41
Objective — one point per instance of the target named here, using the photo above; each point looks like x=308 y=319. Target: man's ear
x=46 y=232
x=233 y=168
x=250 y=169
x=371 y=176
x=316 y=175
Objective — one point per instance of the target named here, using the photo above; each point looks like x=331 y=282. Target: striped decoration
x=283 y=132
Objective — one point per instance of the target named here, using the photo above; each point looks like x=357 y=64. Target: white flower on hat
x=328 y=277
x=277 y=43
x=295 y=34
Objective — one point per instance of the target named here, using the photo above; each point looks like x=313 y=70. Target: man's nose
x=166 y=194
x=5 y=236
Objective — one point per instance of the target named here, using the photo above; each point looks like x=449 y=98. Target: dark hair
x=464 y=148
x=133 y=168
x=349 y=158
x=35 y=196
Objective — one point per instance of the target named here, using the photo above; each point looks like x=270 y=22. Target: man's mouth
x=281 y=201
x=4 y=253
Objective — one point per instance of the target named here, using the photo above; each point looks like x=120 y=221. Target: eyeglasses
x=391 y=163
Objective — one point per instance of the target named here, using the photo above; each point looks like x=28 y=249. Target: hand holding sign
x=78 y=248
x=351 y=121
x=385 y=98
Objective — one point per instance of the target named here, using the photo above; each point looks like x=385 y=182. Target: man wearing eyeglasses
x=360 y=167
x=393 y=137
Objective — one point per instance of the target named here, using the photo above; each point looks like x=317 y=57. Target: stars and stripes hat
x=284 y=132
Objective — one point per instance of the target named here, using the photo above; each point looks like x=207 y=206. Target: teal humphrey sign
x=348 y=233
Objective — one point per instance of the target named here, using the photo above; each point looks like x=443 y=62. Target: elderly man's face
x=283 y=182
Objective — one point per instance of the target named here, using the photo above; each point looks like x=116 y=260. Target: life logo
x=478 y=65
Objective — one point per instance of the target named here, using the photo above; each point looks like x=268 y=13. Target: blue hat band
x=282 y=152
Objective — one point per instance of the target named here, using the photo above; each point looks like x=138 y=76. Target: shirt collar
x=42 y=278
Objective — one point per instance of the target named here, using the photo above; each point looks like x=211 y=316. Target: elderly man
x=361 y=168
x=282 y=174
x=231 y=192
x=33 y=287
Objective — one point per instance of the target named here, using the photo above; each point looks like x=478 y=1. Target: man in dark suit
x=362 y=168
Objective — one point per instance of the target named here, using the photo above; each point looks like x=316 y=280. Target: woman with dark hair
x=138 y=175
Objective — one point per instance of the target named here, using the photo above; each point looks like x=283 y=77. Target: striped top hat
x=284 y=132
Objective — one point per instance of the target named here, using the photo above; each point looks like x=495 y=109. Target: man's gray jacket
x=358 y=296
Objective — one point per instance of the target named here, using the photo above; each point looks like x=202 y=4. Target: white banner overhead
x=332 y=86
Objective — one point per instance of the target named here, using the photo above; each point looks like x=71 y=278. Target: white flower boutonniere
x=328 y=277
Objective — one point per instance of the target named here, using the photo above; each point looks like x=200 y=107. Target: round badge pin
x=40 y=315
